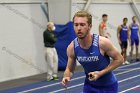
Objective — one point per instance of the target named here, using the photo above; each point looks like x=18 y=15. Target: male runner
x=134 y=30
x=103 y=27
x=93 y=52
x=123 y=36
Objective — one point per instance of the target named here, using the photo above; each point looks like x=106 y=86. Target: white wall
x=21 y=41
x=116 y=12
x=59 y=11
x=21 y=35
x=22 y=26
x=138 y=6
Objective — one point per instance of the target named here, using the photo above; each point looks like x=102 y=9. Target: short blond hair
x=84 y=14
x=50 y=23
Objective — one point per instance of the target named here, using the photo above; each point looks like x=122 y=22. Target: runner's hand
x=93 y=76
x=65 y=81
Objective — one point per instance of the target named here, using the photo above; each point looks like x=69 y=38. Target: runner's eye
x=82 y=24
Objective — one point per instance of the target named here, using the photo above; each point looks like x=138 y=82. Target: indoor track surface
x=128 y=78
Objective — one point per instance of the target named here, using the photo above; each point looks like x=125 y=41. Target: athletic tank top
x=92 y=60
x=124 y=33
x=134 y=31
x=104 y=27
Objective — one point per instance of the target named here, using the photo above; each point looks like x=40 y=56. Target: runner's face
x=81 y=27
x=105 y=19
x=134 y=19
x=125 y=22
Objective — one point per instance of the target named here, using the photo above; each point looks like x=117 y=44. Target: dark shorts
x=124 y=44
x=113 y=88
x=136 y=41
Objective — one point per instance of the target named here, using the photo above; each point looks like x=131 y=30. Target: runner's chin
x=80 y=36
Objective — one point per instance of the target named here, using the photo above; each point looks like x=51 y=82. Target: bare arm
x=129 y=34
x=70 y=65
x=118 y=34
x=112 y=52
x=107 y=47
x=100 y=30
x=139 y=30
x=71 y=61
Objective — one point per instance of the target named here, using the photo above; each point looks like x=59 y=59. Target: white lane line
x=127 y=71
x=67 y=88
x=49 y=85
x=128 y=78
x=128 y=65
x=129 y=89
x=81 y=84
x=124 y=69
x=71 y=80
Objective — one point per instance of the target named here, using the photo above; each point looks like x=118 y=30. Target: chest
x=90 y=55
x=124 y=29
x=134 y=28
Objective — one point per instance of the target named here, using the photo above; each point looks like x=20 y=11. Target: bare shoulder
x=103 y=40
x=106 y=46
x=100 y=25
x=70 y=49
x=120 y=26
x=70 y=46
x=105 y=43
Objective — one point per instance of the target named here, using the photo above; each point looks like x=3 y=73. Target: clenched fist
x=93 y=76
